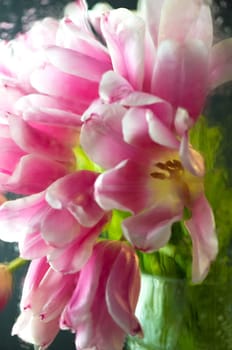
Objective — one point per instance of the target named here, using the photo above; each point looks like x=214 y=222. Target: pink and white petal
x=150 y=10
x=177 y=19
x=122 y=294
x=16 y=215
x=79 y=306
x=75 y=255
x=77 y=64
x=201 y=227
x=162 y=109
x=160 y=133
x=149 y=59
x=32 y=167
x=181 y=75
x=49 y=80
x=53 y=293
x=99 y=331
x=10 y=154
x=34 y=141
x=75 y=192
x=125 y=187
x=59 y=227
x=33 y=246
x=71 y=37
x=113 y=87
x=203 y=27
x=182 y=121
x=124 y=33
x=48 y=110
x=32 y=330
x=221 y=63
x=190 y=158
x=135 y=129
x=101 y=135
x=35 y=274
x=151 y=229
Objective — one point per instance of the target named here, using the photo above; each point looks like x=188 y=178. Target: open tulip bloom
x=96 y=115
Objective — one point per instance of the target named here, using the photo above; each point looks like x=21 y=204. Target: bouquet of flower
x=101 y=136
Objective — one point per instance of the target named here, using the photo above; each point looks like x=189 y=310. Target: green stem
x=16 y=264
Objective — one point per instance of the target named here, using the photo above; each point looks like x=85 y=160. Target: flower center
x=172 y=169
x=179 y=183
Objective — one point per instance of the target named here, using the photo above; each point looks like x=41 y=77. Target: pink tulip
x=154 y=174
x=62 y=223
x=156 y=196
x=45 y=294
x=101 y=309
x=173 y=46
x=29 y=151
x=48 y=78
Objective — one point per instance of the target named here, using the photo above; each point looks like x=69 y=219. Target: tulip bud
x=5 y=285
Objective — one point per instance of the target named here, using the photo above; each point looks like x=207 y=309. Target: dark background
x=20 y=14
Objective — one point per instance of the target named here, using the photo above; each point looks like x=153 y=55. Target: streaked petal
x=221 y=63
x=181 y=74
x=32 y=330
x=74 y=192
x=49 y=80
x=151 y=229
x=33 y=246
x=201 y=227
x=177 y=19
x=32 y=167
x=160 y=133
x=78 y=64
x=72 y=257
x=123 y=187
x=151 y=12
x=113 y=87
x=16 y=215
x=122 y=294
x=101 y=135
x=190 y=158
x=124 y=33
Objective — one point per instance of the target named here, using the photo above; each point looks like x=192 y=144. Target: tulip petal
x=78 y=200
x=49 y=80
x=122 y=294
x=151 y=12
x=205 y=244
x=221 y=63
x=32 y=330
x=124 y=34
x=113 y=87
x=101 y=135
x=33 y=246
x=191 y=159
x=151 y=229
x=78 y=64
x=123 y=187
x=15 y=216
x=177 y=19
x=160 y=133
x=32 y=167
x=181 y=75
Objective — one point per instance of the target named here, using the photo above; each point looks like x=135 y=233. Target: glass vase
x=178 y=316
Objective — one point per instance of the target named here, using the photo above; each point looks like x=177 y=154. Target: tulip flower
x=45 y=294
x=101 y=309
x=172 y=41
x=155 y=175
x=61 y=223
x=6 y=282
